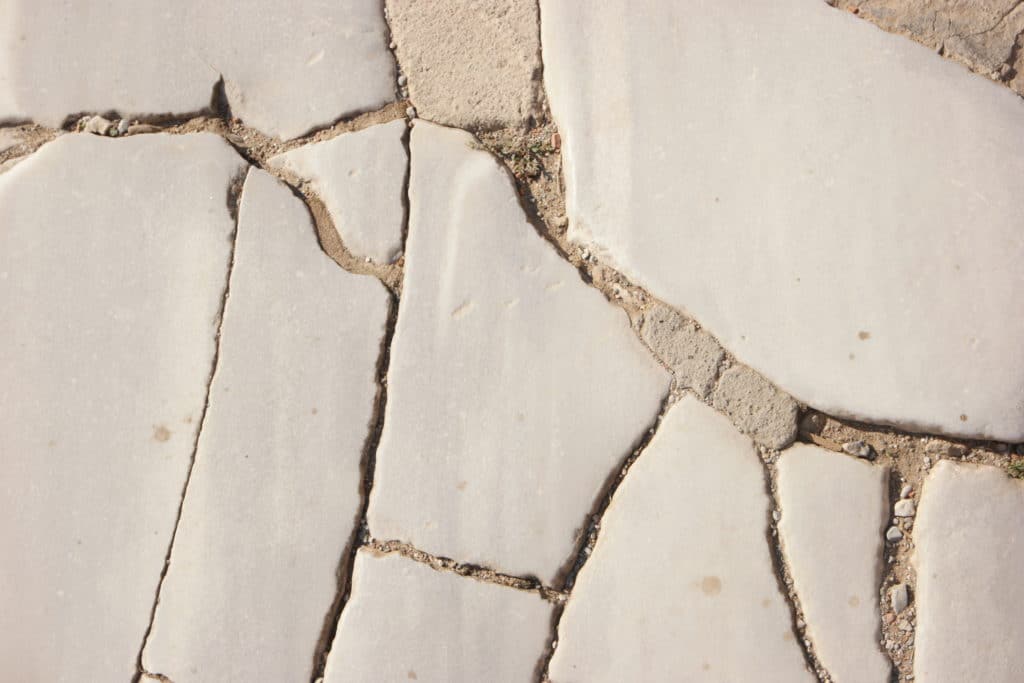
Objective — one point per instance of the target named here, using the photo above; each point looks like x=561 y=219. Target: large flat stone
x=408 y=622
x=514 y=389
x=834 y=512
x=360 y=177
x=837 y=205
x=472 y=65
x=970 y=597
x=680 y=585
x=287 y=67
x=113 y=263
x=275 y=490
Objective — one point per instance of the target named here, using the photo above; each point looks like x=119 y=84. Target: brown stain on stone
x=412 y=675
x=461 y=485
x=314 y=411
x=862 y=335
x=854 y=601
x=711 y=585
x=766 y=603
x=161 y=433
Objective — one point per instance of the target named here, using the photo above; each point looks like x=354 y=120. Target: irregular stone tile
x=514 y=390
x=113 y=262
x=470 y=64
x=361 y=179
x=681 y=577
x=287 y=67
x=275 y=491
x=758 y=408
x=406 y=621
x=823 y=197
x=834 y=511
x=691 y=353
x=969 y=594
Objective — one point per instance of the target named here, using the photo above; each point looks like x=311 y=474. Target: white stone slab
x=287 y=67
x=408 y=622
x=839 y=206
x=275 y=491
x=470 y=64
x=680 y=585
x=360 y=177
x=113 y=262
x=514 y=389
x=834 y=511
x=970 y=597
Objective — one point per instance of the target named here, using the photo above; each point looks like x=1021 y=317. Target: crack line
x=234 y=202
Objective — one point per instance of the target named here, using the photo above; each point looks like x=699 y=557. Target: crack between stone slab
x=157 y=677
x=234 y=198
x=783 y=573
x=360 y=535
x=591 y=530
x=471 y=570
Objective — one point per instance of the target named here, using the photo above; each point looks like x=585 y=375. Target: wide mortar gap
x=530 y=584
x=234 y=199
x=590 y=530
x=360 y=532
x=783 y=573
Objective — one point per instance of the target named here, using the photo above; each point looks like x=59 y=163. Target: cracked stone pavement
x=512 y=340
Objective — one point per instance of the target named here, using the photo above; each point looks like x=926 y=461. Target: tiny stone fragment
x=756 y=406
x=894 y=535
x=899 y=597
x=904 y=508
x=858 y=448
x=812 y=423
x=98 y=125
x=906 y=491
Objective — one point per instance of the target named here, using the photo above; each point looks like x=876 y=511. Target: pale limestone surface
x=287 y=67
x=360 y=177
x=514 y=389
x=970 y=597
x=8 y=139
x=834 y=511
x=680 y=585
x=275 y=491
x=408 y=622
x=837 y=205
x=109 y=299
x=470 y=63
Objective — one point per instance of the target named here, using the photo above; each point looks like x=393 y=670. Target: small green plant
x=1016 y=469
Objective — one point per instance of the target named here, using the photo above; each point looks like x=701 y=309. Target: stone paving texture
x=470 y=64
x=361 y=179
x=287 y=67
x=93 y=276
x=407 y=622
x=274 y=494
x=514 y=389
x=970 y=597
x=680 y=585
x=834 y=512
x=852 y=184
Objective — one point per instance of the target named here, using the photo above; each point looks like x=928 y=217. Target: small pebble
x=402 y=80
x=411 y=112
x=776 y=515
x=858 y=448
x=904 y=508
x=139 y=128
x=812 y=423
x=906 y=491
x=122 y=127
x=904 y=625
x=888 y=617
x=556 y=141
x=98 y=125
x=899 y=598
x=894 y=535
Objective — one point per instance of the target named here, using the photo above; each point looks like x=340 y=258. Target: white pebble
x=904 y=508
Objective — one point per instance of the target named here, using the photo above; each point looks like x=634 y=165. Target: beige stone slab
x=834 y=512
x=514 y=389
x=408 y=622
x=360 y=177
x=113 y=263
x=839 y=206
x=473 y=65
x=680 y=585
x=969 y=554
x=274 y=495
x=287 y=67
